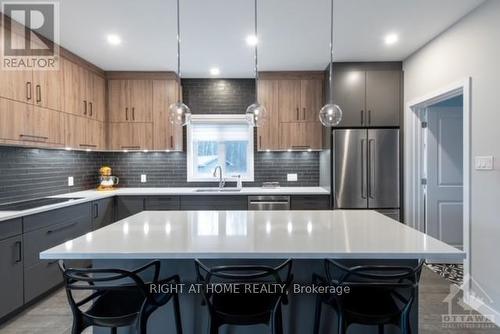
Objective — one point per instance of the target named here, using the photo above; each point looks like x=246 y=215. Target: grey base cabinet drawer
x=10 y=228
x=11 y=275
x=310 y=202
x=162 y=203
x=41 y=278
x=128 y=205
x=53 y=235
x=215 y=202
x=53 y=217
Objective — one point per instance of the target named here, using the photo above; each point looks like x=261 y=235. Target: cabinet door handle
x=28 y=90
x=131 y=147
x=38 y=93
x=90 y=106
x=301 y=147
x=96 y=210
x=19 y=252
x=33 y=138
x=85 y=107
x=298 y=116
x=304 y=110
x=369 y=117
x=260 y=141
x=133 y=113
x=171 y=141
x=87 y=145
x=126 y=114
x=362 y=117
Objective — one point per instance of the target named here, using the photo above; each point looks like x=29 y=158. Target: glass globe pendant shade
x=256 y=114
x=179 y=113
x=330 y=115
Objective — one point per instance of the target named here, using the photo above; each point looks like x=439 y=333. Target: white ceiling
x=294 y=34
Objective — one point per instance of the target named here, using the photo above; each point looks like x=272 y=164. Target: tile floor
x=52 y=315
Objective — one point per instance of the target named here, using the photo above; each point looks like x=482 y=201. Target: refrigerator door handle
x=363 y=169
x=371 y=168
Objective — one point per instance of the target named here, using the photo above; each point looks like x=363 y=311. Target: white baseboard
x=483 y=308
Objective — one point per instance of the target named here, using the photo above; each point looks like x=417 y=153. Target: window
x=219 y=140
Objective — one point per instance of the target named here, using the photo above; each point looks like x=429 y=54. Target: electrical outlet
x=71 y=181
x=291 y=177
x=144 y=178
x=483 y=163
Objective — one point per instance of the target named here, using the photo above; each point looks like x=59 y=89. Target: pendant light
x=179 y=113
x=331 y=114
x=256 y=113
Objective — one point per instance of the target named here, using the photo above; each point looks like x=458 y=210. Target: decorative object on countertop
x=256 y=113
x=180 y=114
x=271 y=185
x=106 y=180
x=331 y=114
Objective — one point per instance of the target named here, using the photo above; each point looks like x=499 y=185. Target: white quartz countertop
x=363 y=234
x=92 y=195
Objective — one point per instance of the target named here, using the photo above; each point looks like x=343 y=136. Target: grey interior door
x=350 y=168
x=444 y=217
x=383 y=98
x=349 y=94
x=383 y=168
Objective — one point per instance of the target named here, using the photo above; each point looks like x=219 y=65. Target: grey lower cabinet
x=11 y=266
x=214 y=202
x=126 y=206
x=46 y=230
x=310 y=202
x=103 y=212
x=162 y=203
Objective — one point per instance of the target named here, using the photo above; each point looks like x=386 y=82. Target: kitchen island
x=308 y=237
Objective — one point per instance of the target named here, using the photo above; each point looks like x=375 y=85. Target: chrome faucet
x=221 y=179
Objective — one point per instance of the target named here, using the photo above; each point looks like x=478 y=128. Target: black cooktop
x=33 y=203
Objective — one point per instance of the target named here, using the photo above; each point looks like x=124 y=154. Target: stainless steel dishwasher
x=259 y=203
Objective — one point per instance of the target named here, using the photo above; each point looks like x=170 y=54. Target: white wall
x=471 y=48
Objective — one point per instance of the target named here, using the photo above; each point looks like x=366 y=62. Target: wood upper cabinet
x=47 y=88
x=130 y=136
x=267 y=136
x=368 y=98
x=84 y=91
x=166 y=136
x=289 y=100
x=25 y=123
x=311 y=99
x=300 y=135
x=130 y=100
x=84 y=133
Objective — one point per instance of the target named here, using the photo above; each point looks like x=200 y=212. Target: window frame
x=219 y=119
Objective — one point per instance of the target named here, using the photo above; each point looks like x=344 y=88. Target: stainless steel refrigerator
x=366 y=168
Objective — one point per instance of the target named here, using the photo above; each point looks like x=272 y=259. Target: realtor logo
x=30 y=35
x=464 y=316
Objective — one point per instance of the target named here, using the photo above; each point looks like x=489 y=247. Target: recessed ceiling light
x=252 y=40
x=391 y=39
x=114 y=39
x=214 y=71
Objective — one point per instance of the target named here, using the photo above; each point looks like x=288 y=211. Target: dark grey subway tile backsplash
x=27 y=173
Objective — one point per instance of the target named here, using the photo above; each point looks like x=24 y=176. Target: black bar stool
x=116 y=297
x=245 y=308
x=379 y=295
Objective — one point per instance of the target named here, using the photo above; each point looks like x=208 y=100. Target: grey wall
x=218 y=96
x=471 y=49
x=30 y=173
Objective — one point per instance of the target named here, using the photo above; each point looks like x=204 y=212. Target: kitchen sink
x=212 y=190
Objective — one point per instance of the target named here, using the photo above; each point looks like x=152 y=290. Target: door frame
x=413 y=160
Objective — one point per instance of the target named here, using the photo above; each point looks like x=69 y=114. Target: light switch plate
x=71 y=181
x=483 y=162
x=291 y=177
x=144 y=178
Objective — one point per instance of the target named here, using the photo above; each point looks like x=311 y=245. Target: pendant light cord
x=256 y=54
x=179 y=98
x=331 y=52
